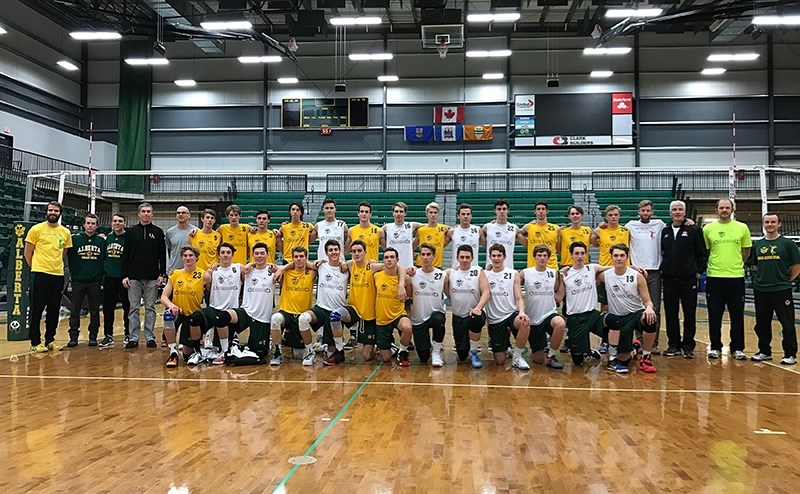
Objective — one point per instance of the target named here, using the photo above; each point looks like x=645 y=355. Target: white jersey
x=428 y=290
x=401 y=237
x=581 y=289
x=505 y=235
x=540 y=290
x=329 y=230
x=646 y=243
x=466 y=236
x=331 y=287
x=465 y=290
x=623 y=292
x=259 y=294
x=502 y=304
x=226 y=283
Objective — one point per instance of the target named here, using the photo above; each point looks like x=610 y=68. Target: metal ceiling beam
x=178 y=12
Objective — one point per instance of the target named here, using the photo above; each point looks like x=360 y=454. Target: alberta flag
x=418 y=133
x=448 y=114
x=449 y=133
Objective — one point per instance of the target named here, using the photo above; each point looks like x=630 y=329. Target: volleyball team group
x=221 y=282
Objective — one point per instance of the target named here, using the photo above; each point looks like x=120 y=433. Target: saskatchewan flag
x=477 y=132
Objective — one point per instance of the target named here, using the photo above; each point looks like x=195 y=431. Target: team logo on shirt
x=327 y=230
x=328 y=277
x=492 y=284
x=537 y=284
x=721 y=233
x=254 y=281
x=356 y=276
x=459 y=282
x=578 y=282
x=384 y=287
x=180 y=283
x=396 y=234
x=616 y=287
x=230 y=236
x=463 y=238
x=422 y=284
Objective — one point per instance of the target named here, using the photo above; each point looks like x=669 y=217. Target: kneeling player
x=297 y=290
x=390 y=311
x=468 y=290
x=426 y=285
x=505 y=310
x=544 y=290
x=183 y=297
x=225 y=280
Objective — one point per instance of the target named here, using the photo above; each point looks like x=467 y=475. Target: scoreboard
x=324 y=112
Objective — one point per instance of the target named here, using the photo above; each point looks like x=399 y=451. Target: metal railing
x=696 y=180
x=230 y=184
x=448 y=182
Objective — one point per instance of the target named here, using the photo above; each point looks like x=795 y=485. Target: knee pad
x=277 y=321
x=649 y=328
x=340 y=315
x=613 y=322
x=475 y=323
x=304 y=321
x=196 y=319
x=223 y=319
x=437 y=319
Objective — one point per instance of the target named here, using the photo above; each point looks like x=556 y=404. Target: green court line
x=282 y=484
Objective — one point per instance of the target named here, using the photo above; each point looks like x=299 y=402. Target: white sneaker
x=309 y=359
x=739 y=355
x=195 y=358
x=788 y=360
x=276 y=360
x=714 y=354
x=761 y=357
x=520 y=363
x=436 y=359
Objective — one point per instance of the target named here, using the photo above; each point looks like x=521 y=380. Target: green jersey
x=772 y=263
x=115 y=245
x=725 y=242
x=86 y=257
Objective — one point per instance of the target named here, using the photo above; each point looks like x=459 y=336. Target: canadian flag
x=448 y=114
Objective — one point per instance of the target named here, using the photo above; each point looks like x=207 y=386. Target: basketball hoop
x=442 y=49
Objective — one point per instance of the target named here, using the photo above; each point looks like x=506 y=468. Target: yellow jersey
x=207 y=244
x=297 y=290
x=569 y=235
x=238 y=238
x=49 y=243
x=608 y=237
x=294 y=235
x=268 y=238
x=546 y=234
x=387 y=306
x=362 y=290
x=187 y=290
x=433 y=235
x=371 y=236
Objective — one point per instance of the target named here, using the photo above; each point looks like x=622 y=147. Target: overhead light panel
x=67 y=65
x=359 y=57
x=237 y=25
x=262 y=59
x=599 y=74
x=732 y=57
x=619 y=50
x=388 y=78
x=488 y=53
x=355 y=21
x=624 y=13
x=146 y=61
x=287 y=80
x=95 y=35
x=713 y=71
x=493 y=76
x=500 y=17
x=2 y=31
x=185 y=82
x=777 y=20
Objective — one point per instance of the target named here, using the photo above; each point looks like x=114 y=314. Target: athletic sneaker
x=637 y=346
x=351 y=344
x=739 y=355
x=40 y=348
x=309 y=359
x=646 y=365
x=106 y=342
x=402 y=359
x=655 y=350
x=553 y=363
x=714 y=354
x=132 y=344
x=276 y=359
x=195 y=359
x=72 y=343
x=603 y=348
x=672 y=351
x=615 y=366
x=519 y=363
x=93 y=342
x=436 y=359
x=688 y=354
x=152 y=344
x=53 y=347
x=475 y=360
x=395 y=350
x=219 y=359
x=564 y=346
x=761 y=357
x=411 y=347
x=788 y=360
x=336 y=358
x=172 y=360
x=593 y=355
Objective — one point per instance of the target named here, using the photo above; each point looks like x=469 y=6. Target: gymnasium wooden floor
x=89 y=420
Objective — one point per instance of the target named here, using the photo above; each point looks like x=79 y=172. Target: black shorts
x=500 y=333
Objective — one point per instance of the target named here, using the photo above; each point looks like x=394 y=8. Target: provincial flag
x=448 y=133
x=448 y=114
x=418 y=133
x=477 y=132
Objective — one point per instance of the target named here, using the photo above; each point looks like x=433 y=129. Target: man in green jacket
x=113 y=291
x=86 y=272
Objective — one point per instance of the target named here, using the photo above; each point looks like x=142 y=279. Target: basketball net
x=442 y=49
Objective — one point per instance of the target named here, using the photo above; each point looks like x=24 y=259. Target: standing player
x=575 y=232
x=501 y=232
x=432 y=234
x=544 y=289
x=390 y=312
x=225 y=282
x=176 y=237
x=400 y=234
x=610 y=233
x=776 y=260
x=294 y=233
x=505 y=310
x=465 y=233
x=427 y=310
x=206 y=240
x=329 y=228
x=468 y=290
x=113 y=291
x=296 y=294
x=366 y=231
x=262 y=234
x=540 y=231
x=183 y=297
x=629 y=310
x=86 y=258
x=235 y=233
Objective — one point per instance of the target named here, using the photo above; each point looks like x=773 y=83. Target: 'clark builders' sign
x=18 y=281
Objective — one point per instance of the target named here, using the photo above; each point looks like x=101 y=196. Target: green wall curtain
x=134 y=100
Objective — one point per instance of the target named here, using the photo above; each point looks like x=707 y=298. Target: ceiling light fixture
x=95 y=35
x=2 y=31
x=506 y=17
x=488 y=53
x=146 y=61
x=185 y=82
x=732 y=57
x=623 y=13
x=360 y=57
x=287 y=80
x=355 y=21
x=388 y=78
x=236 y=25
x=67 y=65
x=601 y=73
x=713 y=71
x=262 y=59
x=777 y=20
x=619 y=50
x=493 y=76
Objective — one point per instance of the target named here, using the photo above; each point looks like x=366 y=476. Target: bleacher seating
x=277 y=203
x=628 y=201
x=347 y=206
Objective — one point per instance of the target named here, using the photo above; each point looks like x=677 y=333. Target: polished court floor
x=90 y=420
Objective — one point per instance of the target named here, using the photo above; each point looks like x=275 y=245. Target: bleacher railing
x=222 y=183
x=448 y=182
x=698 y=180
